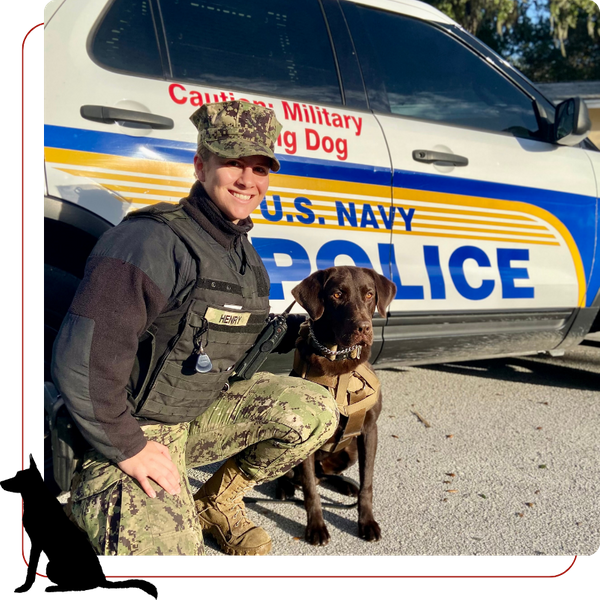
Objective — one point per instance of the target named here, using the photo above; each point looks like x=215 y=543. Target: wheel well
x=66 y=246
x=66 y=249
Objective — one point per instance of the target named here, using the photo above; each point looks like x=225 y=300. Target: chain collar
x=313 y=339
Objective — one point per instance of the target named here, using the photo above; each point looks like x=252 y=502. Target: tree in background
x=548 y=40
x=472 y=14
x=529 y=46
x=565 y=15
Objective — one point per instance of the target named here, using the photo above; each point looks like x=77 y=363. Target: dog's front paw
x=23 y=588
x=369 y=531
x=317 y=535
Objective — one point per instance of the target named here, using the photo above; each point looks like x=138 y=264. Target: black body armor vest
x=224 y=312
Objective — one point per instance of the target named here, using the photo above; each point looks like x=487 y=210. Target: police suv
x=408 y=146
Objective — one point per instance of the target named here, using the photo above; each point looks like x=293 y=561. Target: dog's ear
x=308 y=294
x=386 y=291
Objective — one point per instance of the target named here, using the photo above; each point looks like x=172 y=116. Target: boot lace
x=240 y=517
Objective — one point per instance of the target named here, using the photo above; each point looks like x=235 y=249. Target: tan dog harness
x=355 y=393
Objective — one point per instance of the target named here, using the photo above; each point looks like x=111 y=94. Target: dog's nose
x=363 y=327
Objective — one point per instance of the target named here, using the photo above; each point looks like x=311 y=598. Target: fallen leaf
x=394 y=436
x=536 y=492
x=445 y=482
x=538 y=428
x=483 y=496
x=424 y=421
x=452 y=491
x=449 y=435
x=295 y=539
x=542 y=467
x=444 y=499
x=451 y=474
x=520 y=514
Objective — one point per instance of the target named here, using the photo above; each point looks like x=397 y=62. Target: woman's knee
x=319 y=412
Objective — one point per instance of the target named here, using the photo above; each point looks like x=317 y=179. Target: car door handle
x=108 y=114
x=430 y=156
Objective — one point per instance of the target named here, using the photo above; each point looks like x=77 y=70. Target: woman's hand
x=153 y=462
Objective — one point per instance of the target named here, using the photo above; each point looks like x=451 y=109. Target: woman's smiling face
x=236 y=185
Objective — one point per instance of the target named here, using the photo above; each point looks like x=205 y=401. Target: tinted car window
x=126 y=39
x=278 y=47
x=425 y=73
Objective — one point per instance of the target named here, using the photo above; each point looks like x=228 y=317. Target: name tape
x=223 y=317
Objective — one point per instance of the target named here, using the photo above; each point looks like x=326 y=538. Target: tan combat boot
x=222 y=512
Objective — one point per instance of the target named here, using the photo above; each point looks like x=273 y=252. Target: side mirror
x=572 y=122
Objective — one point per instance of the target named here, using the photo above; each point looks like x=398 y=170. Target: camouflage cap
x=234 y=129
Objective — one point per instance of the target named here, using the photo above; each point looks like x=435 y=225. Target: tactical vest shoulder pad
x=163 y=211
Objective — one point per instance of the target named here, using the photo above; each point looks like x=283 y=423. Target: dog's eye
x=369 y=295
x=337 y=295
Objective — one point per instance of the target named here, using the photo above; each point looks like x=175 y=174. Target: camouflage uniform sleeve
x=133 y=273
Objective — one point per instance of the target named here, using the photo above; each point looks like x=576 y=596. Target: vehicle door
x=494 y=229
x=163 y=60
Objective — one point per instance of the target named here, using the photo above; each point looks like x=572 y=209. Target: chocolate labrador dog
x=333 y=348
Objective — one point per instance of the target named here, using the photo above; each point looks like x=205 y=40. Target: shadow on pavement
x=523 y=370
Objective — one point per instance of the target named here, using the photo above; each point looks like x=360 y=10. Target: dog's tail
x=138 y=583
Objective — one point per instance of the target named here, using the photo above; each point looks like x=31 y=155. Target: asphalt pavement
x=495 y=457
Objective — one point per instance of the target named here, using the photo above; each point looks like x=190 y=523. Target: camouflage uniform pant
x=271 y=423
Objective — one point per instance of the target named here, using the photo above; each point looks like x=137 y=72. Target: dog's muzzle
x=352 y=352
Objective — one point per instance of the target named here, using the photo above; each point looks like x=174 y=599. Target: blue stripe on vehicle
x=573 y=210
x=118 y=144
x=485 y=189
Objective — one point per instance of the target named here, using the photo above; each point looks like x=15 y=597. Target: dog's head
x=341 y=302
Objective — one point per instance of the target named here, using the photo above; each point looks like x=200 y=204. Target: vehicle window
x=278 y=47
x=427 y=74
x=126 y=39
x=527 y=85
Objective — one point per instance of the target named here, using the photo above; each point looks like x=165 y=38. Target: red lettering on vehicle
x=172 y=88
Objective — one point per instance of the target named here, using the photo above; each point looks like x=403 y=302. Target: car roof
x=412 y=8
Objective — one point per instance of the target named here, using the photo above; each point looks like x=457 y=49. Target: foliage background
x=547 y=40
